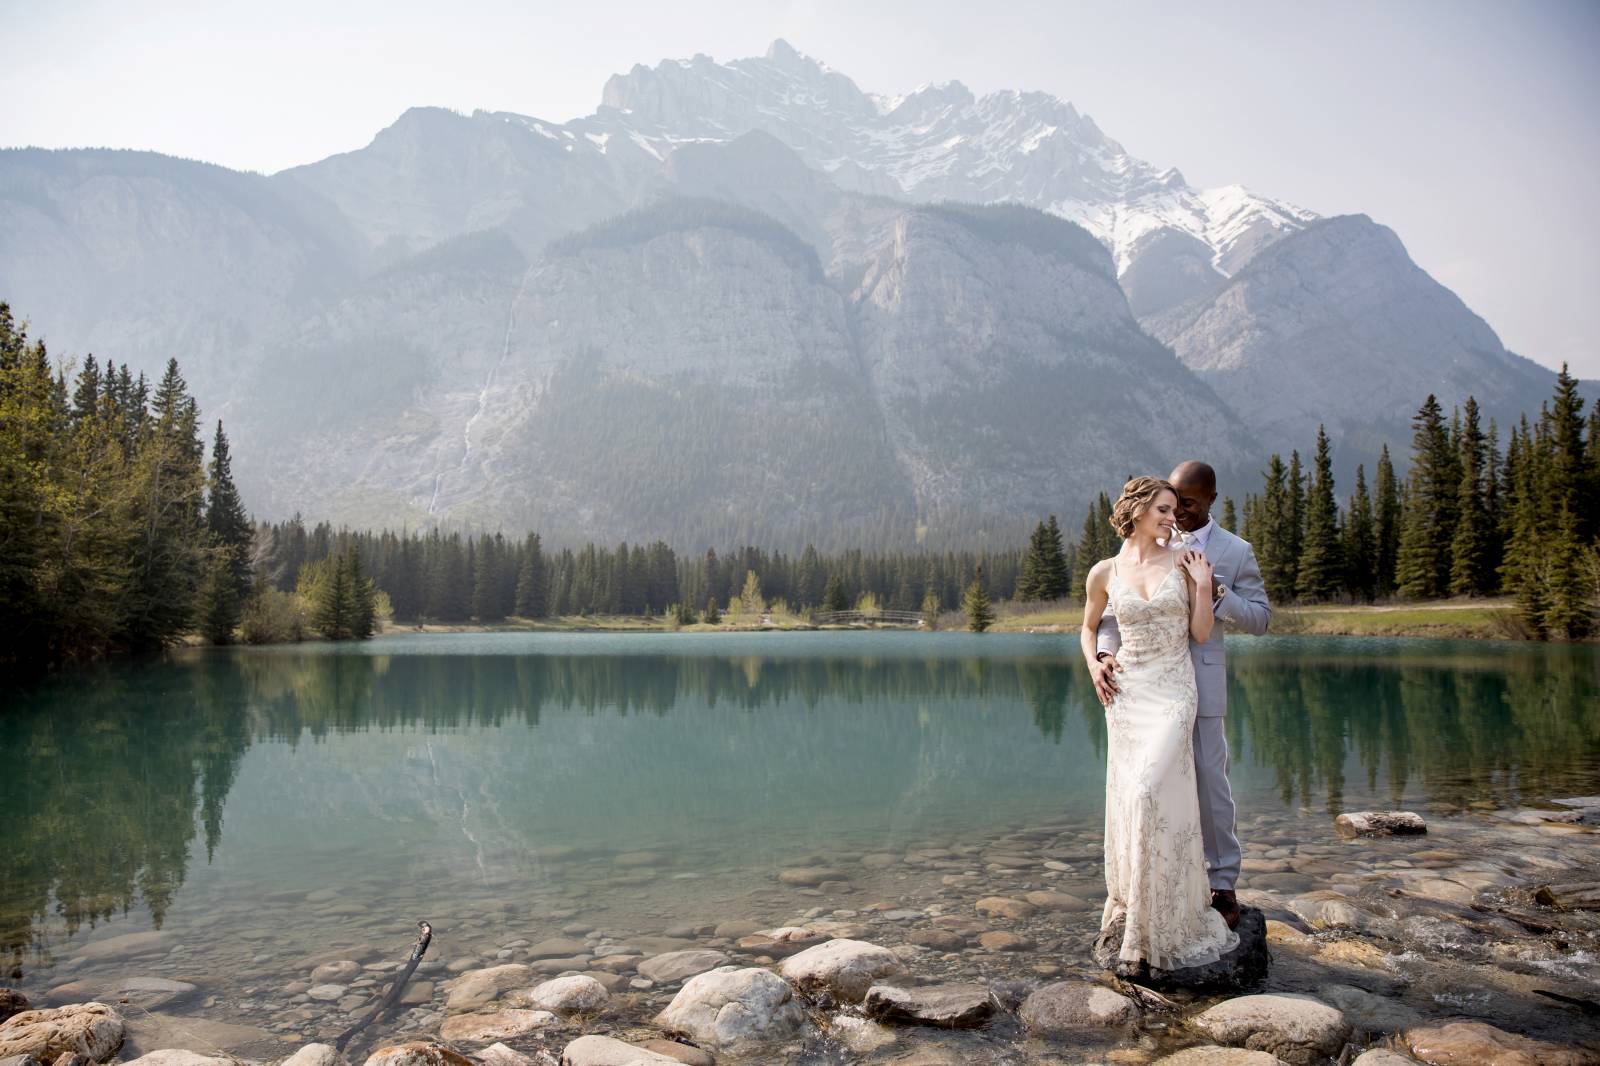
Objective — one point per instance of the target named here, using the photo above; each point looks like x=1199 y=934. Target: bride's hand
x=1198 y=567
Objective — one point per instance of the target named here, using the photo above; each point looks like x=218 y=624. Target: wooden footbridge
x=873 y=618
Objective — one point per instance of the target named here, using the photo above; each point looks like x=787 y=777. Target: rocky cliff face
x=1337 y=325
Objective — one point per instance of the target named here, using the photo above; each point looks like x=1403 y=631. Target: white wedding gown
x=1155 y=859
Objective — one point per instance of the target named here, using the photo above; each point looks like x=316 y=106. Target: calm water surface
x=634 y=780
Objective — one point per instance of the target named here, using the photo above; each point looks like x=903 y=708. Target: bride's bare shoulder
x=1099 y=575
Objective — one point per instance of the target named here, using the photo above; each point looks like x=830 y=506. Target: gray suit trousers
x=1217 y=828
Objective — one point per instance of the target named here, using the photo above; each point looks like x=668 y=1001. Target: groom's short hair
x=1193 y=471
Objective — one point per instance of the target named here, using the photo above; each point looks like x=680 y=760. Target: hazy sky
x=1469 y=127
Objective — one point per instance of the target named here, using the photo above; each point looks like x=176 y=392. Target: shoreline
x=1458 y=619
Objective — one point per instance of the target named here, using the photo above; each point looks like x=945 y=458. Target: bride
x=1154 y=856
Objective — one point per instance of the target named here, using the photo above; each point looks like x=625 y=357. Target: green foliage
x=1045 y=574
x=272 y=616
x=1429 y=511
x=1360 y=544
x=834 y=599
x=1321 y=560
x=976 y=606
x=930 y=609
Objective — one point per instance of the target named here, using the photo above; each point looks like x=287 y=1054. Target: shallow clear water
x=505 y=783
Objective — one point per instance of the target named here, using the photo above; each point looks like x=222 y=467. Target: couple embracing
x=1152 y=635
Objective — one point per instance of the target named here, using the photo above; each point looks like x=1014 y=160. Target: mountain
x=1335 y=324
x=688 y=370
x=741 y=301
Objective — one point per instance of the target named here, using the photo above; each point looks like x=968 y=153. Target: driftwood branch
x=424 y=937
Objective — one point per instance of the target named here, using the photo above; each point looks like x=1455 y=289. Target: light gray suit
x=1244 y=608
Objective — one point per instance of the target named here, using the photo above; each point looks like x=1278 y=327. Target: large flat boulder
x=1298 y=1029
x=567 y=995
x=843 y=968
x=681 y=965
x=417 y=1053
x=93 y=1030
x=1071 y=1007
x=732 y=1007
x=1380 y=823
x=494 y=1026
x=607 y=1051
x=1219 y=1056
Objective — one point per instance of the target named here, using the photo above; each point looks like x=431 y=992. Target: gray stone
x=313 y=1055
x=556 y=947
x=731 y=1007
x=844 y=969
x=1380 y=823
x=179 y=1057
x=336 y=973
x=418 y=1053
x=124 y=946
x=692 y=1056
x=1074 y=1006
x=567 y=994
x=326 y=993
x=488 y=1028
x=1296 y=1028
x=1465 y=1043
x=475 y=988
x=93 y=1030
x=679 y=965
x=859 y=1034
x=1383 y=1057
x=1219 y=1056
x=952 y=1006
x=606 y=1051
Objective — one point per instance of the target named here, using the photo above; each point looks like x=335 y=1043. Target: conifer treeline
x=114 y=535
x=452 y=577
x=1468 y=520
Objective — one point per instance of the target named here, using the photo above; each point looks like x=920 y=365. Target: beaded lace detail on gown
x=1154 y=855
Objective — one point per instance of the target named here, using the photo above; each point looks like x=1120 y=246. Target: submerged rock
x=679 y=965
x=691 y=1056
x=859 y=1034
x=1380 y=823
x=178 y=1057
x=313 y=1055
x=93 y=1030
x=952 y=1006
x=730 y=1007
x=1481 y=1044
x=1219 y=1056
x=606 y=1051
x=11 y=1002
x=419 y=1053
x=1296 y=1028
x=1243 y=967
x=475 y=988
x=1073 y=1006
x=844 y=968
x=496 y=1025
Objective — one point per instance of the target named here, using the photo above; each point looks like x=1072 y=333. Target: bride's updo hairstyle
x=1137 y=496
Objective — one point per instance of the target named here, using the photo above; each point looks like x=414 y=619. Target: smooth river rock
x=313 y=1055
x=1219 y=1056
x=1073 y=1006
x=681 y=965
x=844 y=968
x=93 y=1030
x=475 y=988
x=952 y=1006
x=730 y=1007
x=417 y=1053
x=179 y=1057
x=495 y=1026
x=606 y=1051
x=1481 y=1044
x=1298 y=1029
x=1380 y=823
x=567 y=994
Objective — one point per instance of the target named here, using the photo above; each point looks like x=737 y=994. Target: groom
x=1239 y=602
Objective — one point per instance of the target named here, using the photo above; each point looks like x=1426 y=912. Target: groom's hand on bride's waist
x=1103 y=671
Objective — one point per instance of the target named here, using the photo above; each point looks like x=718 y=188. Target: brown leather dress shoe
x=1225 y=903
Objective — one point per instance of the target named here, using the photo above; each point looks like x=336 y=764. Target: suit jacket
x=1244 y=608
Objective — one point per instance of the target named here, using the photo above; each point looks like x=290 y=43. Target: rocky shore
x=1466 y=940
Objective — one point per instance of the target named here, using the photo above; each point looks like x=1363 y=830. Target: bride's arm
x=1197 y=575
x=1094 y=606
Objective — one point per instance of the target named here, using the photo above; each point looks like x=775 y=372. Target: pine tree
x=330 y=609
x=1470 y=574
x=1032 y=560
x=1422 y=569
x=1271 y=534
x=86 y=396
x=1386 y=524
x=1294 y=528
x=1360 y=543
x=979 y=612
x=1569 y=467
x=930 y=609
x=834 y=598
x=1321 y=567
x=1230 y=520
x=1054 y=572
x=532 y=581
x=362 y=597
x=750 y=598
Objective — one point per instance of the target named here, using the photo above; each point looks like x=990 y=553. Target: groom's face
x=1194 y=504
